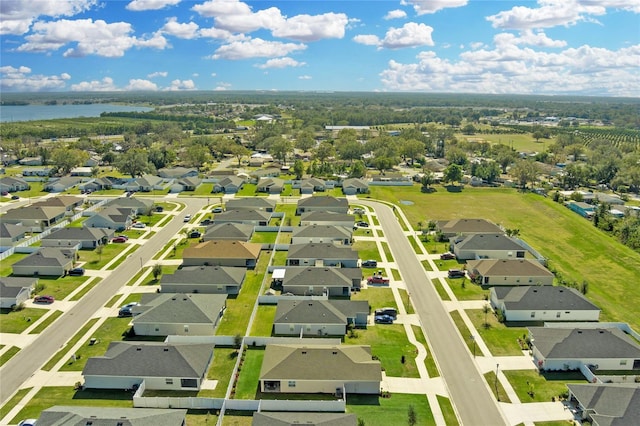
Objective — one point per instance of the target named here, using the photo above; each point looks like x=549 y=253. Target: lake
x=9 y=113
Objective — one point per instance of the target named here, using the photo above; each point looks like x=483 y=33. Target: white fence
x=250 y=340
x=273 y=300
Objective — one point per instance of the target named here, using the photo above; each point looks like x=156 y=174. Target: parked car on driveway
x=119 y=240
x=358 y=210
x=195 y=234
x=447 y=256
x=369 y=263
x=28 y=422
x=383 y=319
x=456 y=273
x=125 y=310
x=139 y=225
x=15 y=197
x=217 y=210
x=43 y=299
x=392 y=312
x=76 y=272
x=362 y=224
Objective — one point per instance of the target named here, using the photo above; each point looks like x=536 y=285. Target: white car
x=187 y=218
x=139 y=225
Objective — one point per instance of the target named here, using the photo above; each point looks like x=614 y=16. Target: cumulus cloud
x=90 y=38
x=140 y=84
x=255 y=48
x=16 y=16
x=305 y=77
x=104 y=85
x=158 y=74
x=176 y=29
x=513 y=69
x=552 y=13
x=222 y=86
x=410 y=34
x=312 y=28
x=422 y=7
x=528 y=37
x=21 y=80
x=141 y=5
x=281 y=63
x=395 y=14
x=181 y=85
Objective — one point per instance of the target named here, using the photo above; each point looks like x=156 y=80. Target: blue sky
x=579 y=47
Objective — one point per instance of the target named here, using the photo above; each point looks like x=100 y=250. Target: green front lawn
x=15 y=399
x=264 y=237
x=464 y=289
x=60 y=287
x=367 y=250
x=249 y=371
x=94 y=259
x=500 y=339
x=6 y=264
x=374 y=410
x=448 y=412
x=378 y=297
x=496 y=387
x=46 y=322
x=224 y=360
x=542 y=386
x=263 y=321
x=18 y=321
x=8 y=354
x=389 y=343
x=66 y=395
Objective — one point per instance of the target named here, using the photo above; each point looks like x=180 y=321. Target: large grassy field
x=572 y=244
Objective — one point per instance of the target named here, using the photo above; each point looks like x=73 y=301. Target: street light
x=496 y=382
x=473 y=339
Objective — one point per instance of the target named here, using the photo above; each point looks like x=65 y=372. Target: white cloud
x=281 y=63
x=222 y=86
x=185 y=31
x=181 y=85
x=21 y=80
x=104 y=85
x=410 y=35
x=216 y=33
x=139 y=84
x=395 y=14
x=16 y=16
x=158 y=74
x=512 y=69
x=141 y=5
x=255 y=48
x=90 y=38
x=312 y=28
x=423 y=7
x=213 y=74
x=552 y=13
x=528 y=37
x=367 y=39
x=305 y=77
x=475 y=45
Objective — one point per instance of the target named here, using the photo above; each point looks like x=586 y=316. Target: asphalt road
x=31 y=358
x=468 y=390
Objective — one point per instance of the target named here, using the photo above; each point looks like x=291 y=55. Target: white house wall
x=551 y=315
x=200 y=288
x=310 y=330
x=486 y=254
x=324 y=386
x=149 y=329
x=520 y=280
x=151 y=383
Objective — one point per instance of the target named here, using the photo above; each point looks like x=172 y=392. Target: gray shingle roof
x=307 y=418
x=241 y=215
x=509 y=268
x=250 y=203
x=543 y=297
x=609 y=404
x=48 y=256
x=576 y=343
x=318 y=311
x=76 y=234
x=168 y=308
x=34 y=213
x=318 y=276
x=323 y=216
x=229 y=230
x=8 y=230
x=151 y=359
x=12 y=286
x=310 y=231
x=487 y=242
x=321 y=251
x=205 y=275
x=105 y=416
x=467 y=226
x=324 y=201
x=346 y=363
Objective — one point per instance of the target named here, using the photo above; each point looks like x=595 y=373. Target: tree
x=486 y=309
x=66 y=159
x=412 y=417
x=298 y=168
x=99 y=251
x=357 y=169
x=156 y=271
x=196 y=155
x=280 y=148
x=324 y=151
x=469 y=129
x=305 y=139
x=524 y=171
x=453 y=173
x=427 y=180
x=383 y=163
x=411 y=149
x=239 y=151
x=133 y=162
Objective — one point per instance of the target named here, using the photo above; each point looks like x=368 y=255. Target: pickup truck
x=377 y=279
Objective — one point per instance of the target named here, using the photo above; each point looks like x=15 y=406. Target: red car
x=119 y=240
x=43 y=299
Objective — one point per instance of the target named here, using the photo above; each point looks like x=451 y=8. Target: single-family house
x=310 y=185
x=327 y=218
x=247 y=217
x=204 y=279
x=69 y=202
x=38 y=171
x=273 y=418
x=13 y=184
x=185 y=184
x=322 y=254
x=228 y=231
x=97 y=184
x=322 y=234
x=256 y=175
x=179 y=314
x=561 y=349
x=87 y=238
x=543 y=303
x=83 y=171
x=608 y=404
x=75 y=415
x=31 y=161
x=334 y=369
x=16 y=290
x=486 y=246
x=140 y=205
x=229 y=185
x=35 y=217
x=177 y=172
x=496 y=272
x=322 y=204
x=147 y=183
x=271 y=185
x=47 y=261
x=63 y=184
x=611 y=199
x=111 y=217
x=251 y=203
x=313 y=281
x=93 y=161
x=454 y=227
x=222 y=253
x=318 y=317
x=11 y=234
x=161 y=366
x=582 y=208
x=354 y=186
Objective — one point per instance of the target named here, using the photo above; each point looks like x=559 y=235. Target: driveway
x=468 y=390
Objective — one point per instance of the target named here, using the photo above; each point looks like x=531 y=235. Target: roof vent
x=579 y=331
x=335 y=352
x=138 y=348
x=561 y=290
x=304 y=352
x=535 y=290
x=601 y=331
x=166 y=349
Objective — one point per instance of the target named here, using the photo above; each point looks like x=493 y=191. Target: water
x=9 y=113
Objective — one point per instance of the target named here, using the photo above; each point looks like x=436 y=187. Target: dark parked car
x=119 y=240
x=383 y=319
x=15 y=197
x=206 y=222
x=159 y=209
x=447 y=256
x=362 y=224
x=43 y=299
x=369 y=263
x=392 y=312
x=125 y=311
x=456 y=273
x=195 y=234
x=76 y=272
